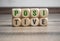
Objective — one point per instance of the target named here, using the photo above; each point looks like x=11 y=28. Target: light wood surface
x=49 y=33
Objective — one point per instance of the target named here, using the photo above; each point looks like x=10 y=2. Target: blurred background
x=52 y=5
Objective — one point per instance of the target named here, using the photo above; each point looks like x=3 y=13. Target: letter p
x=15 y=12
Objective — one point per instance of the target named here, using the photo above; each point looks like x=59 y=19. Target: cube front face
x=16 y=22
x=16 y=12
x=25 y=22
x=43 y=12
x=34 y=13
x=43 y=21
x=34 y=21
x=29 y=17
x=25 y=12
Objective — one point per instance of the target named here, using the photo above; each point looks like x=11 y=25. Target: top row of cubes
x=33 y=12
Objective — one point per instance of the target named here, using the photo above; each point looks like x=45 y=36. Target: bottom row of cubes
x=17 y=22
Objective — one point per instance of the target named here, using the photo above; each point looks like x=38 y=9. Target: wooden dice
x=25 y=12
x=34 y=21
x=34 y=12
x=16 y=22
x=25 y=21
x=43 y=21
x=43 y=12
x=16 y=12
x=29 y=17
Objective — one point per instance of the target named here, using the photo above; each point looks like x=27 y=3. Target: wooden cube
x=43 y=21
x=43 y=12
x=16 y=22
x=16 y=12
x=34 y=12
x=26 y=12
x=25 y=21
x=34 y=21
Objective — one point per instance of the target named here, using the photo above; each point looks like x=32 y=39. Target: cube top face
x=43 y=12
x=26 y=12
x=16 y=12
x=34 y=12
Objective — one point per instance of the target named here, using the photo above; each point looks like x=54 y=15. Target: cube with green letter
x=34 y=12
x=43 y=12
x=16 y=12
x=26 y=12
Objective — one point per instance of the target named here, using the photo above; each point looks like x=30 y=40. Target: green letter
x=15 y=12
x=43 y=12
x=25 y=13
x=34 y=12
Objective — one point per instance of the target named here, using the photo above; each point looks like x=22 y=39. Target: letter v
x=34 y=21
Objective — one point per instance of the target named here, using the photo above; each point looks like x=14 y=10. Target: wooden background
x=7 y=10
